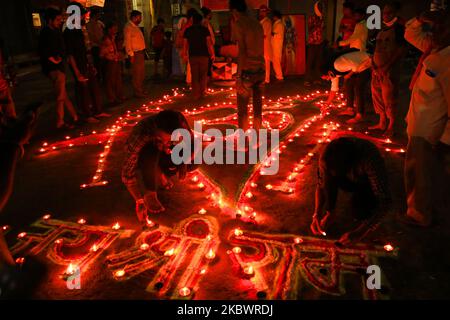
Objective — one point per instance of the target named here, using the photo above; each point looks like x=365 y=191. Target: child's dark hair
x=171 y=120
x=50 y=14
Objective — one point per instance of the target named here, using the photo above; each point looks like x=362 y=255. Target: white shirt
x=429 y=109
x=266 y=23
x=278 y=32
x=357 y=62
x=134 y=38
x=358 y=39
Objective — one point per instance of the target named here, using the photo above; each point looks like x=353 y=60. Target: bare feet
x=379 y=126
x=166 y=183
x=152 y=203
x=357 y=119
x=347 y=112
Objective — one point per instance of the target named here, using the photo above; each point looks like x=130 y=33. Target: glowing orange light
x=119 y=273
x=269 y=187
x=202 y=211
x=22 y=235
x=298 y=240
x=144 y=247
x=237 y=250
x=116 y=226
x=170 y=252
x=184 y=292
x=249 y=195
x=20 y=260
x=71 y=269
x=388 y=247
x=82 y=221
x=238 y=232
x=4 y=228
x=149 y=222
x=210 y=255
x=46 y=217
x=249 y=270
x=94 y=248
x=201 y=185
x=203 y=271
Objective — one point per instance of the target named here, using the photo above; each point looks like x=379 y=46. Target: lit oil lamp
x=82 y=221
x=46 y=217
x=149 y=223
x=116 y=226
x=249 y=195
x=94 y=248
x=20 y=260
x=70 y=269
x=170 y=252
x=249 y=271
x=269 y=187
x=22 y=235
x=144 y=247
x=210 y=255
x=238 y=232
x=202 y=211
x=388 y=247
x=201 y=185
x=237 y=250
x=184 y=292
x=119 y=273
x=298 y=240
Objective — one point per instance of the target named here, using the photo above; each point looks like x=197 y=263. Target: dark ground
x=50 y=183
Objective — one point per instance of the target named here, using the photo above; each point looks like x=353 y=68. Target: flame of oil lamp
x=298 y=240
x=94 y=248
x=201 y=185
x=210 y=255
x=388 y=247
x=4 y=228
x=388 y=150
x=170 y=252
x=249 y=195
x=184 y=292
x=149 y=222
x=203 y=271
x=324 y=233
x=249 y=271
x=144 y=247
x=269 y=187
x=22 y=235
x=20 y=260
x=119 y=273
x=402 y=150
x=82 y=221
x=237 y=250
x=238 y=232
x=253 y=185
x=202 y=211
x=70 y=269
x=46 y=217
x=116 y=226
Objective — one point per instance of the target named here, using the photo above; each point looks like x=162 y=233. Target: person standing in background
x=358 y=39
x=199 y=50
x=314 y=53
x=206 y=22
x=348 y=22
x=427 y=162
x=96 y=31
x=249 y=35
x=113 y=67
x=266 y=23
x=167 y=54
x=53 y=61
x=7 y=107
x=135 y=47
x=157 y=39
x=277 y=44
x=80 y=59
x=389 y=50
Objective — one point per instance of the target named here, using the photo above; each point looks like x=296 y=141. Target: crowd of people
x=95 y=54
